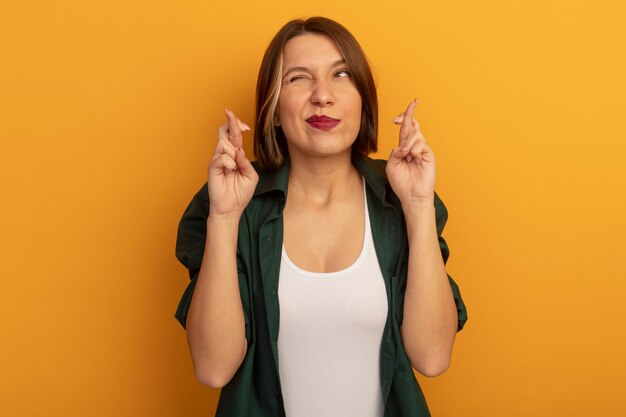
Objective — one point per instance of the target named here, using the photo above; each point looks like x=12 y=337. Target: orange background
x=109 y=115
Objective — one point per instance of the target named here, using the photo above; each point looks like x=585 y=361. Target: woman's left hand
x=411 y=166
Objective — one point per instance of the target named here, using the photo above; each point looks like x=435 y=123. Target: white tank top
x=331 y=326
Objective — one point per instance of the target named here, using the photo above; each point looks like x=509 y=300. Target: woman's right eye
x=299 y=77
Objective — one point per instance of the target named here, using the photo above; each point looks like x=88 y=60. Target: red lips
x=322 y=122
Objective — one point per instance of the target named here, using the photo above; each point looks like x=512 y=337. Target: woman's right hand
x=232 y=179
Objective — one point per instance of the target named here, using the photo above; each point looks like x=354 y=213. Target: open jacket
x=255 y=389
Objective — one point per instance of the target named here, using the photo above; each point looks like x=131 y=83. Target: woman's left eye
x=342 y=73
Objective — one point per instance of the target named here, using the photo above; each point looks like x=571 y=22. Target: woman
x=318 y=277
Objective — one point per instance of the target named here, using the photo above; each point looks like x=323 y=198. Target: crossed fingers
x=229 y=139
x=412 y=142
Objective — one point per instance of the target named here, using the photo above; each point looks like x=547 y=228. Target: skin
x=325 y=193
x=215 y=322
x=430 y=317
x=317 y=200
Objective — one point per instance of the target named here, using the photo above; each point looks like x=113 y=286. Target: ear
x=276 y=119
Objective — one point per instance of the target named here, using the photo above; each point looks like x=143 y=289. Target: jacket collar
x=373 y=171
x=272 y=180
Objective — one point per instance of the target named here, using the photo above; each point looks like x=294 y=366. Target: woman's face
x=319 y=107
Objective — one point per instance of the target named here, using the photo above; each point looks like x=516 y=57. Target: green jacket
x=255 y=389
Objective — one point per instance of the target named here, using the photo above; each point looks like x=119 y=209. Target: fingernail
x=245 y=126
x=397 y=119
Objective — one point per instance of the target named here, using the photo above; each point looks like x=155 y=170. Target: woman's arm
x=215 y=321
x=430 y=316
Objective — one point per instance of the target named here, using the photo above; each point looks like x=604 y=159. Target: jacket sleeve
x=190 y=246
x=441 y=219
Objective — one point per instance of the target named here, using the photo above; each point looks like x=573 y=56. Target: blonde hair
x=271 y=148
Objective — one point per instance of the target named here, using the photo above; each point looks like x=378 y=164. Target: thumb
x=244 y=166
x=397 y=155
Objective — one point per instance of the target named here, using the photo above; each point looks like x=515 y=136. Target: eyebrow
x=305 y=69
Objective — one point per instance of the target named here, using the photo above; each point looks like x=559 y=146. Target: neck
x=320 y=180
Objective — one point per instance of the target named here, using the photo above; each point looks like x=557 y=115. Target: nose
x=322 y=94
